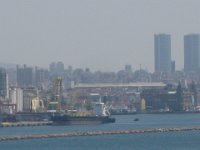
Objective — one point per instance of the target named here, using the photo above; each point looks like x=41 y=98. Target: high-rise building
x=173 y=66
x=57 y=69
x=52 y=69
x=24 y=76
x=4 y=89
x=41 y=76
x=162 y=52
x=128 y=69
x=192 y=52
x=60 y=69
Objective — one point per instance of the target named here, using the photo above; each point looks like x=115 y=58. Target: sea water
x=182 y=140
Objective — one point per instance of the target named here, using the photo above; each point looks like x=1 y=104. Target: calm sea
x=184 y=140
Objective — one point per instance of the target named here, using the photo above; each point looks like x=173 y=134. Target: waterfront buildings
x=159 y=99
x=191 y=52
x=162 y=52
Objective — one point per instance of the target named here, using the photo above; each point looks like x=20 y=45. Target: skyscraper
x=192 y=52
x=41 y=76
x=57 y=69
x=52 y=69
x=24 y=76
x=60 y=69
x=162 y=52
x=4 y=84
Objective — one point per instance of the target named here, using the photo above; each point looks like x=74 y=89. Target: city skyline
x=102 y=35
x=162 y=56
x=99 y=74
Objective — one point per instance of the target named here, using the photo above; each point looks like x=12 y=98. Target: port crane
x=54 y=104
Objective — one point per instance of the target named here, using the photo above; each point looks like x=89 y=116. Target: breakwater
x=25 y=123
x=96 y=133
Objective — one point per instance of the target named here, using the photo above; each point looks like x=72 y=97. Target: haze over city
x=99 y=74
x=102 y=35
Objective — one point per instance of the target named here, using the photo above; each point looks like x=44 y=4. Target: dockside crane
x=54 y=104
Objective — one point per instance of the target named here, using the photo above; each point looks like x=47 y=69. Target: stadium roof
x=132 y=84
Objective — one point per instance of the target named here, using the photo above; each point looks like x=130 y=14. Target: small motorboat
x=136 y=119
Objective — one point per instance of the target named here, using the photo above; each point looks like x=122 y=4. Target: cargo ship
x=100 y=117
x=80 y=120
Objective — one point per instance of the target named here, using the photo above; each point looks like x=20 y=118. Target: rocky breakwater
x=25 y=123
x=95 y=133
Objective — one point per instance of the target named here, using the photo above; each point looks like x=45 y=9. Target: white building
x=37 y=105
x=28 y=95
x=16 y=97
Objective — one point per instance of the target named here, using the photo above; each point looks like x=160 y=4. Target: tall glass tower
x=192 y=52
x=162 y=52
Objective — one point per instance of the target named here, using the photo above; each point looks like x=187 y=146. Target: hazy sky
x=100 y=34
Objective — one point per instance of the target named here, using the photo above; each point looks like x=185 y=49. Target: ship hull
x=81 y=120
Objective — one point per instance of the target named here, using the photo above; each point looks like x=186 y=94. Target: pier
x=96 y=133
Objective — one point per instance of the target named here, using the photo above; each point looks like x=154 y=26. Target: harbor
x=151 y=128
